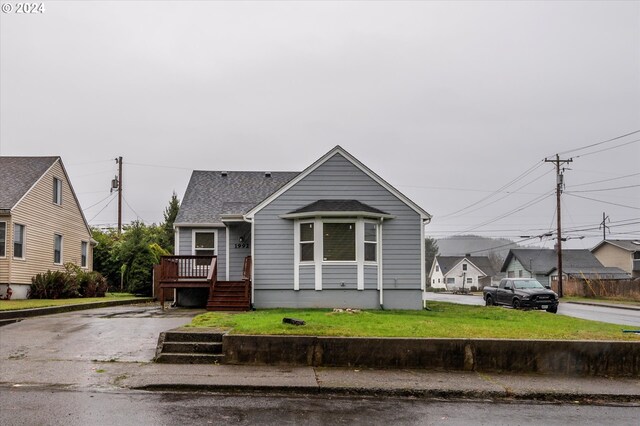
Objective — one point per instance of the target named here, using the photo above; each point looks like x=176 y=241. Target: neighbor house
x=42 y=226
x=334 y=235
x=541 y=264
x=456 y=273
x=623 y=254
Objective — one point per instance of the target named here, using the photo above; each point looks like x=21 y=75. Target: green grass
x=11 y=305
x=445 y=320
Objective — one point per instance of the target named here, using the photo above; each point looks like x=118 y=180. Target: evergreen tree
x=431 y=251
x=170 y=213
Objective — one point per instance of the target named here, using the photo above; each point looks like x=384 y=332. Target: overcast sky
x=448 y=102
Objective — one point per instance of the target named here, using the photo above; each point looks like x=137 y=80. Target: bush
x=67 y=284
x=54 y=285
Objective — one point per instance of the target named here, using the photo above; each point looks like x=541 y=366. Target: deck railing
x=185 y=268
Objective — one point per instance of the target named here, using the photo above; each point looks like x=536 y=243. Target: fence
x=627 y=289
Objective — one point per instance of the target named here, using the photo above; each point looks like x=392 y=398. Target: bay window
x=339 y=241
x=370 y=241
x=306 y=242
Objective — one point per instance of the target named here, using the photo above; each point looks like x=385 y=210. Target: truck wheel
x=489 y=301
x=553 y=309
x=515 y=303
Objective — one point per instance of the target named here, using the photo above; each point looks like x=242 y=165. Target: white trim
x=339 y=150
x=340 y=214
x=87 y=256
x=318 y=251
x=423 y=258
x=360 y=253
x=176 y=240
x=35 y=183
x=61 y=249
x=379 y=259
x=226 y=260
x=24 y=242
x=253 y=263
x=296 y=255
x=200 y=225
x=6 y=234
x=204 y=230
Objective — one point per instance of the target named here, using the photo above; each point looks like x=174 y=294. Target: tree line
x=126 y=260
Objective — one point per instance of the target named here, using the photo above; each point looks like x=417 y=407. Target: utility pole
x=559 y=186
x=604 y=226
x=119 y=162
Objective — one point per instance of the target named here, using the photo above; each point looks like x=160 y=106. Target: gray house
x=542 y=265
x=333 y=235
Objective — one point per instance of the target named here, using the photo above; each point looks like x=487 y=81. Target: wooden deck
x=201 y=272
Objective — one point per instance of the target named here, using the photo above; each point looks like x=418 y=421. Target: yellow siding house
x=42 y=226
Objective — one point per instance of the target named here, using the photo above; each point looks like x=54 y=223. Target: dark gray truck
x=521 y=293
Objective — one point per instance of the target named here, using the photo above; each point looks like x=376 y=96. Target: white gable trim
x=339 y=150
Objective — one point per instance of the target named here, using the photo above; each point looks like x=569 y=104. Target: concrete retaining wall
x=586 y=358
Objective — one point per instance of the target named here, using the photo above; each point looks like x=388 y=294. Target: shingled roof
x=543 y=261
x=211 y=194
x=18 y=175
x=628 y=245
x=481 y=262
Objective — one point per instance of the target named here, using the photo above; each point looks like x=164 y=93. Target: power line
x=604 y=189
x=605 y=180
x=605 y=202
x=607 y=149
x=102 y=209
x=600 y=143
x=93 y=205
x=513 y=181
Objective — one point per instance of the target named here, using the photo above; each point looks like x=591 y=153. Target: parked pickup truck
x=521 y=293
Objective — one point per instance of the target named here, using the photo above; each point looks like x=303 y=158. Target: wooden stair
x=189 y=347
x=230 y=296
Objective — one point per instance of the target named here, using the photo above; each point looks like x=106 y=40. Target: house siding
x=238 y=250
x=42 y=220
x=515 y=266
x=4 y=260
x=185 y=246
x=612 y=256
x=337 y=178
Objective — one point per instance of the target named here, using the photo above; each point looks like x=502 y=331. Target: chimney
x=223 y=174
x=267 y=174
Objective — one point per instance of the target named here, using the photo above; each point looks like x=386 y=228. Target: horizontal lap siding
x=237 y=254
x=42 y=219
x=370 y=277
x=185 y=247
x=337 y=178
x=307 y=277
x=334 y=276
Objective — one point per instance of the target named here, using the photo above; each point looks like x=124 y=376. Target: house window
x=84 y=252
x=3 y=239
x=469 y=280
x=18 y=241
x=57 y=191
x=339 y=241
x=519 y=273
x=511 y=274
x=204 y=244
x=464 y=266
x=370 y=241
x=433 y=281
x=451 y=280
x=57 y=249
x=437 y=268
x=438 y=280
x=306 y=242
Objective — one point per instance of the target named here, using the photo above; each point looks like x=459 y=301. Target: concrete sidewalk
x=117 y=376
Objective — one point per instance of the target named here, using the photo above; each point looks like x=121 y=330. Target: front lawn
x=445 y=320
x=11 y=305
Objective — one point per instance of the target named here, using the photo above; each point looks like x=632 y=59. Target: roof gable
x=338 y=150
x=18 y=175
x=481 y=263
x=628 y=245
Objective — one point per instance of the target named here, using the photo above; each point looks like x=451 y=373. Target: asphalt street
x=607 y=314
x=71 y=408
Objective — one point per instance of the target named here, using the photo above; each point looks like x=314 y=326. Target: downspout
x=380 y=272
x=9 y=246
x=253 y=259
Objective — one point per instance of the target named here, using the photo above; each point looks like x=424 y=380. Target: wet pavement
x=111 y=349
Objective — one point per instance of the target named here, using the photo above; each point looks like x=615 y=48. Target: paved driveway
x=122 y=333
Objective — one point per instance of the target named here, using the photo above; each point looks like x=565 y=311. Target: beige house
x=623 y=254
x=42 y=226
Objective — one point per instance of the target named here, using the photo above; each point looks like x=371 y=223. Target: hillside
x=475 y=245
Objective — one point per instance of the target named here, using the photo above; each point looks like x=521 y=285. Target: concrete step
x=187 y=336
x=177 y=358
x=192 y=347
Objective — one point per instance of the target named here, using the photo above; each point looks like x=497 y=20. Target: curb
x=543 y=396
x=26 y=313
x=606 y=305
